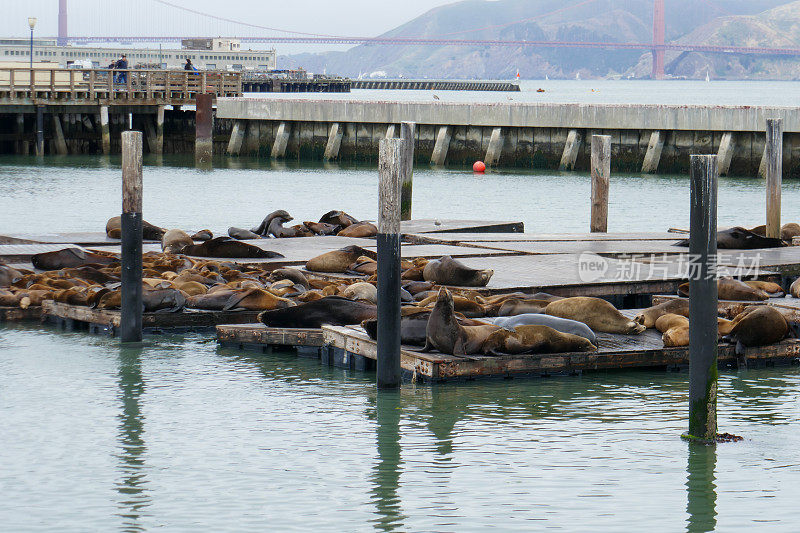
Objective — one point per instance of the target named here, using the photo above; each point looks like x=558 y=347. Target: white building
x=221 y=54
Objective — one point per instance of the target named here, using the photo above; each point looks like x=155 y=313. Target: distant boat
x=578 y=76
x=517 y=74
x=546 y=77
x=707 y=76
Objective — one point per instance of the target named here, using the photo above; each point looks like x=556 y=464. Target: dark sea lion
x=203 y=235
x=416 y=287
x=331 y=310
x=732 y=289
x=275 y=225
x=149 y=231
x=444 y=333
x=359 y=230
x=256 y=300
x=175 y=240
x=649 y=316
x=163 y=300
x=263 y=228
x=321 y=228
x=413 y=325
x=241 y=234
x=90 y=273
x=338 y=261
x=788 y=231
x=739 y=238
x=759 y=326
x=70 y=258
x=338 y=218
x=211 y=301
x=8 y=275
x=291 y=274
x=596 y=313
x=535 y=339
x=228 y=248
x=564 y=325
x=448 y=271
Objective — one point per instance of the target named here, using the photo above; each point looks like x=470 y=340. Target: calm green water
x=182 y=435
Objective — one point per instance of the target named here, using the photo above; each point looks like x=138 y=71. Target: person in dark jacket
x=188 y=65
x=122 y=65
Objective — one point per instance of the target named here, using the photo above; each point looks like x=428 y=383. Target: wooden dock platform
x=17 y=314
x=788 y=306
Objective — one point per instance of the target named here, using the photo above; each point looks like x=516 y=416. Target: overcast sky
x=147 y=17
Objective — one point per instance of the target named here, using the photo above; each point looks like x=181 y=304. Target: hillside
x=740 y=22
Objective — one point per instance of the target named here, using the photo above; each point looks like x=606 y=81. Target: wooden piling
x=131 y=256
x=334 y=142
x=105 y=130
x=440 y=149
x=58 y=136
x=204 y=129
x=160 y=130
x=407 y=134
x=281 y=140
x=391 y=159
x=601 y=171
x=495 y=148
x=703 y=299
x=774 y=176
x=725 y=153
x=40 y=130
x=653 y=155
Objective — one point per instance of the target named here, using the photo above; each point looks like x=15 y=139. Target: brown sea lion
x=203 y=235
x=467 y=307
x=759 y=326
x=732 y=289
x=228 y=248
x=596 y=313
x=331 y=310
x=256 y=300
x=175 y=240
x=448 y=271
x=163 y=300
x=213 y=300
x=149 y=231
x=649 y=316
x=516 y=306
x=788 y=231
x=445 y=334
x=361 y=291
x=365 y=265
x=338 y=261
x=338 y=218
x=773 y=289
x=8 y=275
x=676 y=336
x=192 y=288
x=241 y=234
x=794 y=289
x=69 y=258
x=360 y=230
x=535 y=339
x=9 y=298
x=297 y=277
x=321 y=228
x=416 y=287
x=670 y=320
x=300 y=230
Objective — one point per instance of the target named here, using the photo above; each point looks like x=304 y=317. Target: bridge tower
x=62 y=22
x=658 y=40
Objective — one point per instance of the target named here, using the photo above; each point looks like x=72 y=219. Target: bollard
x=204 y=130
x=774 y=175
x=131 y=319
x=601 y=170
x=390 y=170
x=407 y=133
x=703 y=300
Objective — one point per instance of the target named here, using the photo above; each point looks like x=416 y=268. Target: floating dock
x=788 y=306
x=17 y=314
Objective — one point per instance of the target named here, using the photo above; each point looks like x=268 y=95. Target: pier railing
x=82 y=86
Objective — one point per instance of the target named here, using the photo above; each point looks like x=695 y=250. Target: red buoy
x=479 y=166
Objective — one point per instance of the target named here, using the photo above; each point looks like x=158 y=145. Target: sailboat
x=517 y=77
x=707 y=76
x=546 y=77
x=578 y=76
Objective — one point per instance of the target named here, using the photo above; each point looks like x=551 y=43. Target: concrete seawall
x=647 y=138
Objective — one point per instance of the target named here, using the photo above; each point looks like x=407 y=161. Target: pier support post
x=39 y=130
x=653 y=155
x=160 y=131
x=58 y=136
x=407 y=134
x=390 y=172
x=571 y=149
x=131 y=256
x=237 y=136
x=334 y=142
x=204 y=130
x=774 y=175
x=495 y=149
x=150 y=132
x=252 y=137
x=390 y=132
x=703 y=300
x=87 y=123
x=601 y=171
x=281 y=140
x=105 y=130
x=22 y=143
x=725 y=153
x=442 y=146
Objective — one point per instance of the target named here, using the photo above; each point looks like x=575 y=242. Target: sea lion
x=758 y=326
x=448 y=271
x=365 y=265
x=794 y=289
x=299 y=230
x=649 y=316
x=241 y=234
x=8 y=275
x=213 y=300
x=462 y=305
x=517 y=306
x=445 y=334
x=192 y=288
x=361 y=291
x=321 y=228
x=732 y=289
x=263 y=228
x=229 y=248
x=331 y=310
x=535 y=339
x=256 y=299
x=69 y=258
x=738 y=238
x=175 y=240
x=772 y=289
x=163 y=300
x=149 y=231
x=676 y=336
x=203 y=235
x=788 y=231
x=338 y=261
x=338 y=218
x=360 y=230
x=564 y=325
x=275 y=226
x=297 y=277
x=669 y=321
x=598 y=314
x=416 y=287
x=413 y=325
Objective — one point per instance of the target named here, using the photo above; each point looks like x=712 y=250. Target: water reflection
x=132 y=483
x=386 y=472
x=701 y=488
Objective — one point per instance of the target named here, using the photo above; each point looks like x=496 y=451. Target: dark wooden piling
x=774 y=172
x=703 y=299
x=407 y=134
x=131 y=311
x=601 y=171
x=204 y=129
x=390 y=169
x=39 y=130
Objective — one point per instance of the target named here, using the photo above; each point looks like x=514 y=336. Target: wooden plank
x=600 y=247
x=261 y=334
x=460 y=226
x=461 y=238
x=17 y=314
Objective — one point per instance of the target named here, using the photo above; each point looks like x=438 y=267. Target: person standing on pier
x=122 y=65
x=188 y=65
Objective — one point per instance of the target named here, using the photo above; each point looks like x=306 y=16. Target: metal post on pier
x=204 y=130
x=131 y=319
x=407 y=134
x=601 y=170
x=390 y=169
x=774 y=176
x=703 y=300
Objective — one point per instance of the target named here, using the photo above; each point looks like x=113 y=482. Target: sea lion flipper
x=740 y=349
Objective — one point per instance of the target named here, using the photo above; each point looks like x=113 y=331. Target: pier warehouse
x=208 y=54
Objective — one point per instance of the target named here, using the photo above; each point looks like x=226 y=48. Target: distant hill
x=729 y=21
